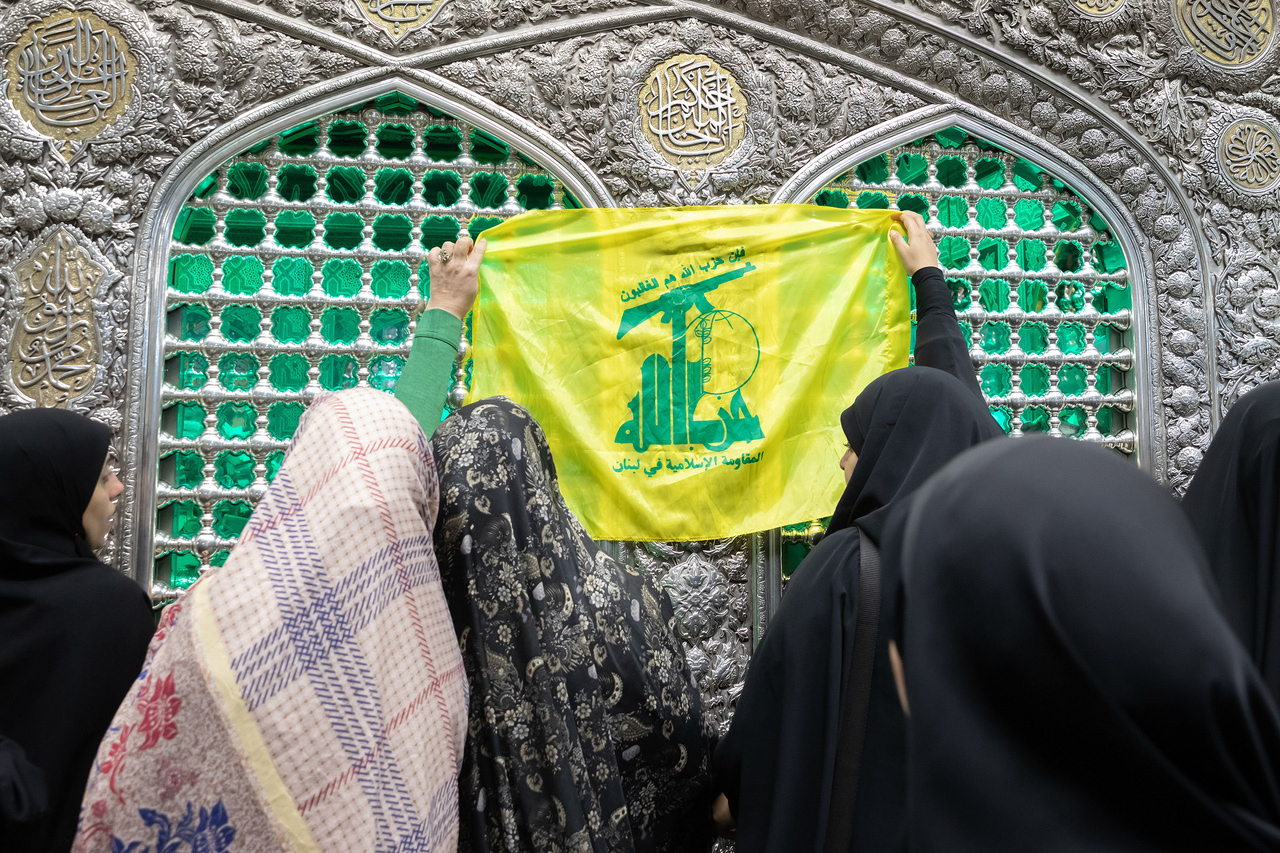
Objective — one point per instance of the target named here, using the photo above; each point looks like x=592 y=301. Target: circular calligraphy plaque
x=70 y=75
x=398 y=18
x=1098 y=8
x=692 y=112
x=1227 y=33
x=1249 y=153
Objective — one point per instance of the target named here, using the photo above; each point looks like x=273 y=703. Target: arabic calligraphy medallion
x=1231 y=33
x=693 y=112
x=1098 y=8
x=70 y=74
x=1249 y=151
x=398 y=18
x=55 y=347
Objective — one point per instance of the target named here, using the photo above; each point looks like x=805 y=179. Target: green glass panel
x=873 y=171
x=256 y=149
x=301 y=141
x=390 y=279
x=195 y=226
x=393 y=186
x=1071 y=338
x=290 y=324
x=1117 y=297
x=1033 y=338
x=1106 y=421
x=1035 y=380
x=347 y=138
x=186 y=519
x=291 y=276
x=442 y=143
x=189 y=322
x=190 y=273
x=918 y=203
x=282 y=420
x=1108 y=258
x=230 y=517
x=994 y=294
x=1073 y=421
x=873 y=201
x=478 y=224
x=442 y=189
x=187 y=370
x=438 y=230
x=1035 y=419
x=395 y=141
x=219 y=558
x=1098 y=224
x=188 y=420
x=831 y=198
x=1067 y=256
x=1066 y=216
x=961 y=298
x=236 y=421
x=1102 y=343
x=238 y=371
x=1070 y=297
x=995 y=337
x=1003 y=417
x=384 y=370
x=488 y=189
x=993 y=253
x=341 y=277
x=296 y=182
x=1031 y=255
x=953 y=252
x=1027 y=176
x=245 y=227
x=345 y=184
x=953 y=211
x=951 y=137
x=1072 y=380
x=570 y=203
x=343 y=230
x=396 y=104
x=391 y=232
x=389 y=326
x=206 y=187
x=989 y=173
x=535 y=192
x=241 y=275
x=1029 y=214
x=184 y=569
x=247 y=181
x=993 y=213
x=912 y=169
x=995 y=380
x=295 y=229
x=234 y=470
x=289 y=372
x=274 y=460
x=488 y=149
x=188 y=469
x=952 y=171
x=340 y=325
x=338 y=372
x=241 y=323
x=1033 y=296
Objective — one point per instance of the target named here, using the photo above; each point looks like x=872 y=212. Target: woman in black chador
x=777 y=766
x=73 y=632
x=586 y=731
x=1234 y=506
x=1070 y=682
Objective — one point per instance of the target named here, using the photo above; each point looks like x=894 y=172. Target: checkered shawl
x=309 y=695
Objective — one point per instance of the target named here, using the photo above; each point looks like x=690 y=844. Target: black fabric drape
x=1072 y=684
x=73 y=632
x=586 y=728
x=1233 y=503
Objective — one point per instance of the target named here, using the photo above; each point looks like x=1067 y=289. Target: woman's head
x=59 y=493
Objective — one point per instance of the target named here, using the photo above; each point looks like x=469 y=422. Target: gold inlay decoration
x=1228 y=32
x=693 y=112
x=398 y=18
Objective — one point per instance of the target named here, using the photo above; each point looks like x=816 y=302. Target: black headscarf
x=1234 y=506
x=1072 y=684
x=73 y=632
x=777 y=761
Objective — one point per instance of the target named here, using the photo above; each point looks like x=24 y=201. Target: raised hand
x=455 y=275
x=917 y=251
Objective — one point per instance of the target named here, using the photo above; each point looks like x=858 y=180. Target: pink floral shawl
x=309 y=695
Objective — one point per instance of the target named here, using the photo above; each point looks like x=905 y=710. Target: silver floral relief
x=709 y=584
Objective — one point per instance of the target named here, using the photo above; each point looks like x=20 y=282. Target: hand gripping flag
x=689 y=365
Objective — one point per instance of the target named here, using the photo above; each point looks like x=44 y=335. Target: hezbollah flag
x=689 y=365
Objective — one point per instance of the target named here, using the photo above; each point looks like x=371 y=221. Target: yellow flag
x=689 y=365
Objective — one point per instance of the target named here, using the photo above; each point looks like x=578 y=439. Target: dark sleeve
x=24 y=792
x=939 y=341
x=423 y=385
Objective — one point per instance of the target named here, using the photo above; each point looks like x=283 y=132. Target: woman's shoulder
x=832 y=563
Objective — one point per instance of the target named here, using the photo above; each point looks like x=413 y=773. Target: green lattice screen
x=295 y=269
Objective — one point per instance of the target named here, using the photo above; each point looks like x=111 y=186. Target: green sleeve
x=423 y=385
